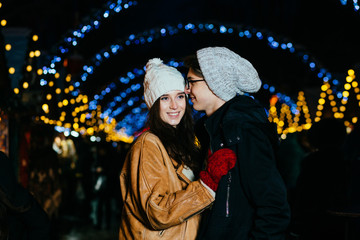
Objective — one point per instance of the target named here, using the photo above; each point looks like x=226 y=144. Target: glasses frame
x=187 y=82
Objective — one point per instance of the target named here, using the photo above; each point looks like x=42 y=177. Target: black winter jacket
x=251 y=200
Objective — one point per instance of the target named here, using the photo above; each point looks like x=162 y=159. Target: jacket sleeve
x=264 y=186
x=161 y=201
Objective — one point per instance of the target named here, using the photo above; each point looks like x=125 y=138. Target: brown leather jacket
x=160 y=202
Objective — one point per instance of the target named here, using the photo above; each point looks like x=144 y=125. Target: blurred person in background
x=323 y=184
x=21 y=216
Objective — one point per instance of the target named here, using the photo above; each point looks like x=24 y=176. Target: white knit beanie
x=226 y=73
x=160 y=79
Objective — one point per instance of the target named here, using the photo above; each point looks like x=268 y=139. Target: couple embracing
x=225 y=186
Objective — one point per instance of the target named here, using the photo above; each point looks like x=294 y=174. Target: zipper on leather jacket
x=161 y=232
x=198 y=212
x=228 y=195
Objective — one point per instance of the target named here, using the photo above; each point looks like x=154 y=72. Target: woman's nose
x=173 y=104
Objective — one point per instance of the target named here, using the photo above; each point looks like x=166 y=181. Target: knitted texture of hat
x=160 y=79
x=226 y=73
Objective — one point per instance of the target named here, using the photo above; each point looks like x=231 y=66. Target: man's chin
x=197 y=108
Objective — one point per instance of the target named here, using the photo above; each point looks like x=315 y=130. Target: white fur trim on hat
x=160 y=79
x=226 y=73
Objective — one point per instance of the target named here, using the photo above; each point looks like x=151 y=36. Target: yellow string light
x=354 y=120
x=286 y=121
x=45 y=108
x=68 y=78
x=25 y=85
x=351 y=83
x=8 y=47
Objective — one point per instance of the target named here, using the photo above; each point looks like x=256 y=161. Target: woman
x=161 y=198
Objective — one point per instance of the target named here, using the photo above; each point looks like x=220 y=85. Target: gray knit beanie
x=226 y=73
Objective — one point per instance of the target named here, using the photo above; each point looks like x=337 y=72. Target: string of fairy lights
x=354 y=2
x=109 y=113
x=89 y=117
x=70 y=41
x=29 y=61
x=111 y=8
x=171 y=30
x=339 y=109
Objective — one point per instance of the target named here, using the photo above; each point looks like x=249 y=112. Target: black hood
x=241 y=111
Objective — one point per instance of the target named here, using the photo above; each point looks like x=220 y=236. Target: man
x=251 y=199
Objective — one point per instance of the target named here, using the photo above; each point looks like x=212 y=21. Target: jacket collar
x=240 y=108
x=237 y=111
x=213 y=122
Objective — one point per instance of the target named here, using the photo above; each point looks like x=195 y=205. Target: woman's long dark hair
x=180 y=141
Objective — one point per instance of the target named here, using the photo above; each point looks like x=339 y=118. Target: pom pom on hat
x=153 y=62
x=226 y=73
x=160 y=79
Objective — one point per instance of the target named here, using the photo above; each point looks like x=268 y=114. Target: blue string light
x=112 y=8
x=355 y=3
x=111 y=111
x=139 y=113
x=152 y=34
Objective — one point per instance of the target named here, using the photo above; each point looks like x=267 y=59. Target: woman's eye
x=164 y=98
x=181 y=96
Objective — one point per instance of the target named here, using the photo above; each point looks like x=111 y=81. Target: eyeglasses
x=187 y=82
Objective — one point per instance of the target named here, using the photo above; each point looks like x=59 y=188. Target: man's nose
x=187 y=90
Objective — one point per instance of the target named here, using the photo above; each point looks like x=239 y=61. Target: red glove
x=218 y=165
